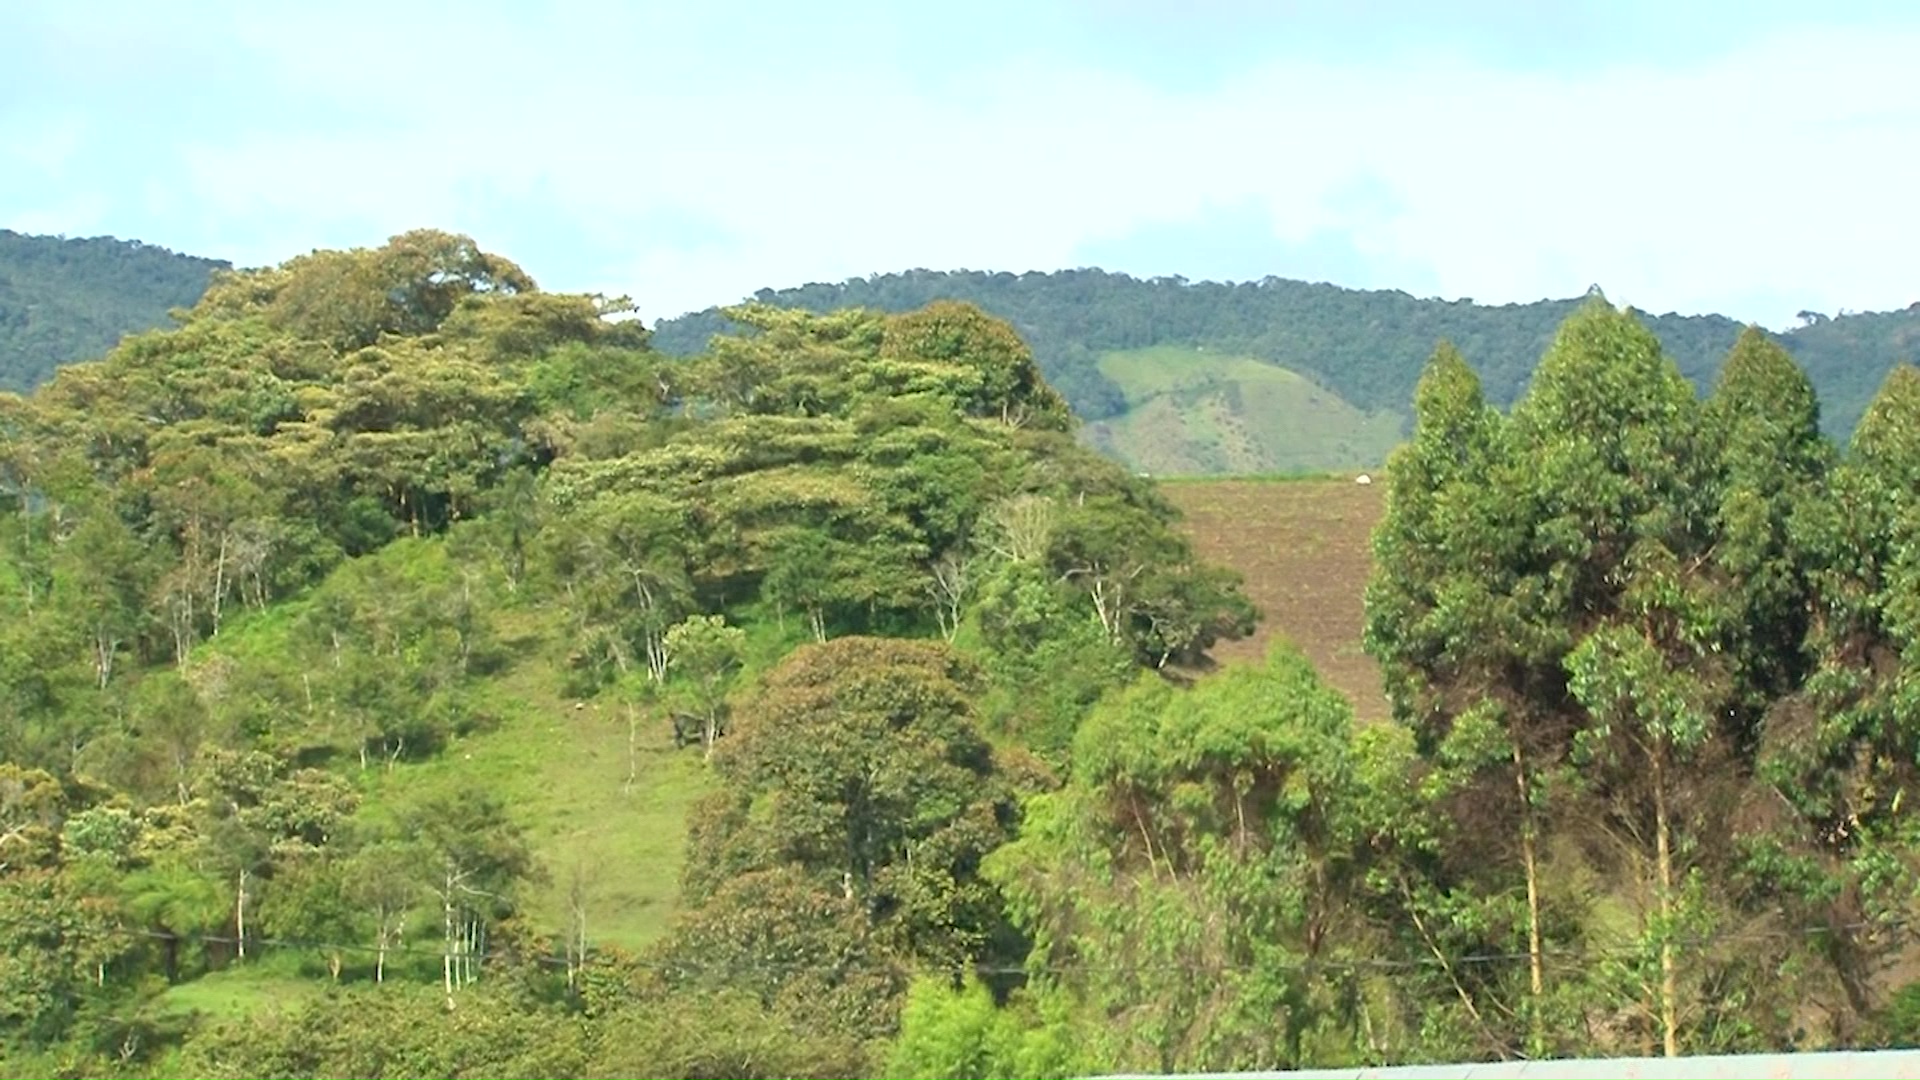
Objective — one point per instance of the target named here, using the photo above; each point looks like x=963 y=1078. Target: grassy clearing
x=592 y=805
x=276 y=982
x=562 y=766
x=1197 y=413
x=600 y=789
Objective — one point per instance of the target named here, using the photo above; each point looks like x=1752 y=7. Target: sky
x=1754 y=158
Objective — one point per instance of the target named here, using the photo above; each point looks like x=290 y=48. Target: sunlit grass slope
x=1194 y=412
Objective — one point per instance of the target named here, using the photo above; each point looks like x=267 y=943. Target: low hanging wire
x=1558 y=957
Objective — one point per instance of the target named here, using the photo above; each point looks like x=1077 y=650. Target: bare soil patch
x=1304 y=547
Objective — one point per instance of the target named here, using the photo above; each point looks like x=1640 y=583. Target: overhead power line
x=1559 y=958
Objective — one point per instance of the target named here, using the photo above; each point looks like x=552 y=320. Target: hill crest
x=64 y=300
x=1321 y=375
x=1364 y=346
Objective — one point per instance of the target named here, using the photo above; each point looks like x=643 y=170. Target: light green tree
x=703 y=654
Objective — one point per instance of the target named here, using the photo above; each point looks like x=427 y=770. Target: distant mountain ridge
x=1364 y=347
x=1172 y=376
x=65 y=300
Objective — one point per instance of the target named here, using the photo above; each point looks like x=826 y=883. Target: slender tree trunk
x=380 y=949
x=633 y=749
x=240 y=915
x=656 y=656
x=219 y=582
x=29 y=576
x=180 y=624
x=577 y=933
x=104 y=646
x=1669 y=979
x=1433 y=946
x=446 y=926
x=1536 y=962
x=654 y=640
x=1146 y=838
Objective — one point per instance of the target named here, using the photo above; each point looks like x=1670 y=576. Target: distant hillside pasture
x=1366 y=347
x=1191 y=412
x=1094 y=334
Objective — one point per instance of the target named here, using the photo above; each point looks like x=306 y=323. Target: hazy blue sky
x=1753 y=157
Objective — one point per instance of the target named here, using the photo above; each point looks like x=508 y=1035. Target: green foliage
x=1583 y=613
x=1232 y=796
x=344 y=627
x=721 y=1034
x=857 y=798
x=392 y=1032
x=1343 y=360
x=1200 y=412
x=963 y=1034
x=1762 y=423
x=349 y=633
x=67 y=300
x=704 y=654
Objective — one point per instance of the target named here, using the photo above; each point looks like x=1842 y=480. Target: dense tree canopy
x=265 y=571
x=1191 y=403
x=63 y=301
x=341 y=624
x=1366 y=346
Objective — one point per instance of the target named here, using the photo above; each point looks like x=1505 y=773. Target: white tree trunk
x=447 y=944
x=240 y=915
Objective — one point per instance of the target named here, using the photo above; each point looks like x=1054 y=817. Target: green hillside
x=405 y=671
x=65 y=300
x=601 y=805
x=1365 y=346
x=1195 y=412
x=605 y=815
x=393 y=635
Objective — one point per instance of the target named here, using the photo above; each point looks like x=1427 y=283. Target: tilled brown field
x=1303 y=546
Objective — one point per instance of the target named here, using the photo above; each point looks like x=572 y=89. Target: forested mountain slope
x=1171 y=377
x=1198 y=413
x=405 y=671
x=385 y=625
x=67 y=300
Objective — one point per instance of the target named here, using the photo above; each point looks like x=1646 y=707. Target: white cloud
x=79 y=215
x=45 y=144
x=1781 y=169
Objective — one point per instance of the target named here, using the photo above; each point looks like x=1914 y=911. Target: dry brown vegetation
x=1303 y=546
